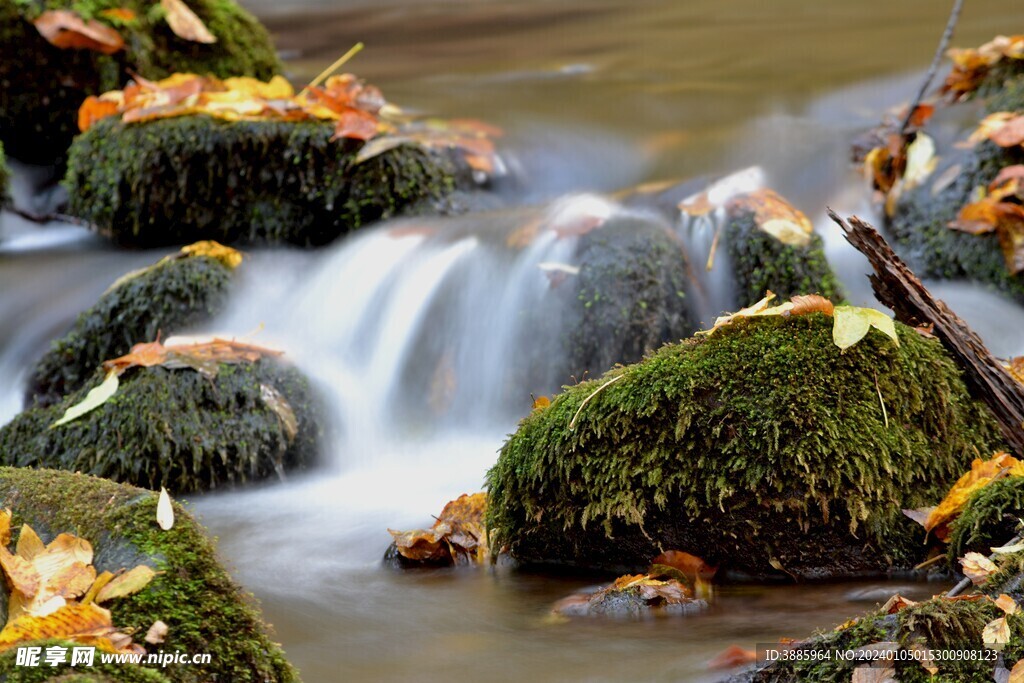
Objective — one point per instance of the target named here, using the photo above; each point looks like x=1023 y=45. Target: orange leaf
x=811 y=303
x=1010 y=134
x=977 y=567
x=122 y=14
x=896 y=603
x=356 y=124
x=689 y=565
x=775 y=216
x=94 y=109
x=67 y=623
x=67 y=30
x=185 y=23
x=982 y=473
x=732 y=657
x=457 y=537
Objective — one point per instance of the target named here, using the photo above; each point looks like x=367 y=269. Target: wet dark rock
x=177 y=428
x=179 y=180
x=164 y=300
x=42 y=86
x=762 y=446
x=205 y=611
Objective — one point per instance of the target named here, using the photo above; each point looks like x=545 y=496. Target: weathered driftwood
x=897 y=287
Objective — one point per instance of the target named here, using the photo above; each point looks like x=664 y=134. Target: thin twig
x=42 y=218
x=572 y=423
x=885 y=415
x=963 y=585
x=947 y=35
x=333 y=67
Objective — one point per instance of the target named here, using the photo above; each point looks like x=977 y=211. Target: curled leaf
x=65 y=29
x=977 y=567
x=185 y=24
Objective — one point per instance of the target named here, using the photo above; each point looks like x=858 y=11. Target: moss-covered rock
x=161 y=301
x=177 y=428
x=920 y=223
x=630 y=295
x=761 y=262
x=954 y=627
x=759 y=446
x=205 y=611
x=42 y=86
x=194 y=177
x=990 y=519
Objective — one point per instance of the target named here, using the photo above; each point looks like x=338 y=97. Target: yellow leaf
x=29 y=544
x=775 y=216
x=96 y=397
x=185 y=23
x=977 y=567
x=97 y=585
x=130 y=582
x=164 y=510
x=1017 y=672
x=5 y=527
x=231 y=258
x=921 y=161
x=982 y=473
x=996 y=634
x=278 y=88
x=852 y=323
x=65 y=623
x=21 y=574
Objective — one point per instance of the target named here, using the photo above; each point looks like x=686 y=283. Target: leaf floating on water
x=96 y=397
x=185 y=24
x=65 y=29
x=164 y=511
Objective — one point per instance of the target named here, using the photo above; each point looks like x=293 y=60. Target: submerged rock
x=182 y=179
x=162 y=300
x=762 y=448
x=42 y=86
x=178 y=428
x=205 y=611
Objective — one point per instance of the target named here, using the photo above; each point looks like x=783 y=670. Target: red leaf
x=65 y=29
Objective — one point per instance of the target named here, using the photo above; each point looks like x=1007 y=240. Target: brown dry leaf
x=157 y=633
x=996 y=634
x=1016 y=368
x=775 y=216
x=1011 y=133
x=65 y=29
x=131 y=581
x=185 y=24
x=1007 y=604
x=690 y=566
x=982 y=473
x=977 y=567
x=896 y=603
x=732 y=657
x=970 y=66
x=1017 y=672
x=356 y=124
x=457 y=537
x=804 y=304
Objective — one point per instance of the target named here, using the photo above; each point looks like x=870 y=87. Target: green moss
x=166 y=299
x=990 y=519
x=630 y=295
x=41 y=86
x=920 y=223
x=188 y=178
x=10 y=672
x=175 y=428
x=761 y=263
x=761 y=444
x=204 y=610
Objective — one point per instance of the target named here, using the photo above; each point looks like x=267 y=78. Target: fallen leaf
x=120 y=14
x=921 y=161
x=96 y=397
x=982 y=473
x=1009 y=549
x=129 y=582
x=94 y=109
x=157 y=633
x=774 y=216
x=996 y=634
x=804 y=304
x=977 y=567
x=896 y=603
x=164 y=510
x=852 y=324
x=230 y=258
x=457 y=537
x=185 y=24
x=690 y=566
x=356 y=124
x=541 y=402
x=1007 y=604
x=65 y=29
x=1017 y=672
x=732 y=657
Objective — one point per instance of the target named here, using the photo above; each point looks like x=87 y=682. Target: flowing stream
x=427 y=337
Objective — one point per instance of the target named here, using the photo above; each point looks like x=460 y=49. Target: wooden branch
x=940 y=51
x=897 y=287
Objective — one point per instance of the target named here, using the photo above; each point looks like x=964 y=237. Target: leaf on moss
x=982 y=473
x=65 y=29
x=896 y=603
x=228 y=257
x=977 y=567
x=1000 y=209
x=1017 y=672
x=127 y=583
x=775 y=216
x=157 y=633
x=457 y=537
x=852 y=324
x=185 y=24
x=164 y=510
x=1006 y=603
x=972 y=65
x=921 y=161
x=96 y=397
x=996 y=634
